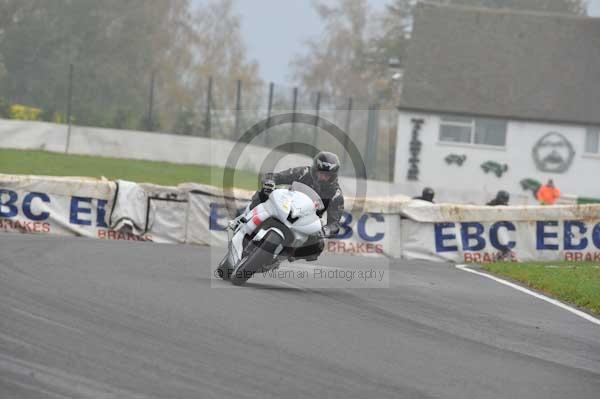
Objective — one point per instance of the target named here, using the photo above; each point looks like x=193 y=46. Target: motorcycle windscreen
x=312 y=194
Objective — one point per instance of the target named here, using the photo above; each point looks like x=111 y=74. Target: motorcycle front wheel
x=260 y=255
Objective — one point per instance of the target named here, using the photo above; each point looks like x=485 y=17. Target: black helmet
x=503 y=196
x=325 y=167
x=428 y=194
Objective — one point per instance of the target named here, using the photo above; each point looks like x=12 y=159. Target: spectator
x=502 y=198
x=426 y=195
x=548 y=194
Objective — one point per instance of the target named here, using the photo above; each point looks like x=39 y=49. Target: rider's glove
x=330 y=230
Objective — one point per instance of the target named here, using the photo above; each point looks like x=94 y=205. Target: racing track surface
x=95 y=319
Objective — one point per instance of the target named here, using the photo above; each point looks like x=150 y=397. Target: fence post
x=347 y=132
x=238 y=108
x=149 y=122
x=317 y=111
x=294 y=106
x=207 y=120
x=269 y=110
x=69 y=101
x=371 y=144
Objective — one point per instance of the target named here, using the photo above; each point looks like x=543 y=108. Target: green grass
x=583 y=200
x=575 y=283
x=163 y=173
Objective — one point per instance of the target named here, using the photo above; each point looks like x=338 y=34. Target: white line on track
x=532 y=293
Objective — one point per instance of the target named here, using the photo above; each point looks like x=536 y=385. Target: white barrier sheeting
x=476 y=234
x=197 y=214
x=362 y=233
x=425 y=212
x=53 y=205
x=189 y=213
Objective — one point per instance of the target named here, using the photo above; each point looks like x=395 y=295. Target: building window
x=592 y=141
x=456 y=129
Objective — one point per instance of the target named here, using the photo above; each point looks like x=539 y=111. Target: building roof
x=507 y=64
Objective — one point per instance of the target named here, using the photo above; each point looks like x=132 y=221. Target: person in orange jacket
x=548 y=194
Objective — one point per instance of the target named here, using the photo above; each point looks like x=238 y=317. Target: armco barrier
x=196 y=214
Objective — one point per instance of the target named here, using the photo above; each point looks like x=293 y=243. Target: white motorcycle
x=269 y=233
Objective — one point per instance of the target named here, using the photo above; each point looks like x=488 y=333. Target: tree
x=111 y=43
x=353 y=58
x=219 y=52
x=338 y=64
x=116 y=47
x=390 y=45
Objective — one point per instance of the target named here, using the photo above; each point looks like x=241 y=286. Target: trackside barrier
x=480 y=234
x=186 y=214
x=394 y=227
x=55 y=205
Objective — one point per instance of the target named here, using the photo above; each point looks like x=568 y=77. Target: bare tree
x=353 y=58
x=338 y=63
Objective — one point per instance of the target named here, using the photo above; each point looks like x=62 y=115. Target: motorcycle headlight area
x=296 y=212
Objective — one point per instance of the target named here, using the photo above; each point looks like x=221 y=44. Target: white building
x=496 y=99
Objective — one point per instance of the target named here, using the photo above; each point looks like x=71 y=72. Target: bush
x=146 y=126
x=185 y=122
x=123 y=119
x=51 y=115
x=24 y=113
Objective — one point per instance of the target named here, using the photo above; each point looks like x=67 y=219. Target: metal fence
x=223 y=110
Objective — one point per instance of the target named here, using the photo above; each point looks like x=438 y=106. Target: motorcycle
x=269 y=233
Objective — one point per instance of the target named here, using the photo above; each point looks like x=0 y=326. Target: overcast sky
x=274 y=31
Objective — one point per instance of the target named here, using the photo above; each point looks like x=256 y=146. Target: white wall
x=470 y=184
x=172 y=148
x=111 y=143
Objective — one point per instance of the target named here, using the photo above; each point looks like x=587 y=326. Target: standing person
x=548 y=194
x=502 y=198
x=426 y=195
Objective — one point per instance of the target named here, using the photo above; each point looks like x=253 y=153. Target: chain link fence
x=220 y=110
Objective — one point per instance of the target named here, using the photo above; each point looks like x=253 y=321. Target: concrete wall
x=470 y=184
x=179 y=149
x=52 y=137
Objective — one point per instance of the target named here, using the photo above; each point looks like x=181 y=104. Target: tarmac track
x=94 y=319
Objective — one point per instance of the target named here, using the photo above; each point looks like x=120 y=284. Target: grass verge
x=163 y=173
x=575 y=283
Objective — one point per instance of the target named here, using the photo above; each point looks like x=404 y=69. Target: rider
x=321 y=177
x=502 y=198
x=426 y=195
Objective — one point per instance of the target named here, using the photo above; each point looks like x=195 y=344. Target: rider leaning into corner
x=321 y=176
